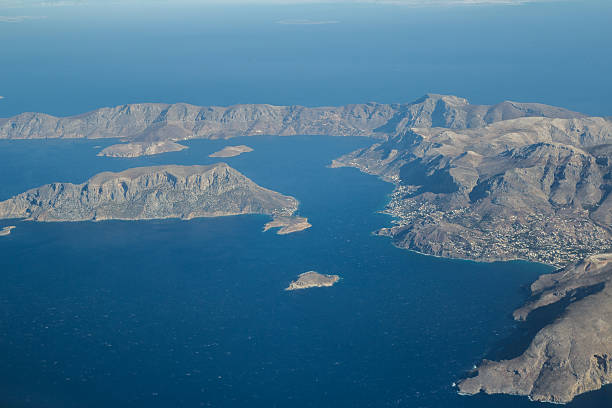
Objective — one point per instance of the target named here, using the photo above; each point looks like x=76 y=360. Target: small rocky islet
x=5 y=231
x=138 y=149
x=570 y=356
x=231 y=151
x=312 y=279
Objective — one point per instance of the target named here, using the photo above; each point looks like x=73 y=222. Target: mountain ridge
x=180 y=121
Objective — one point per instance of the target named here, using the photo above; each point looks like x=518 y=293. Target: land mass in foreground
x=146 y=193
x=571 y=355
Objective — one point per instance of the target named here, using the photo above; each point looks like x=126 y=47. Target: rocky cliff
x=156 y=122
x=150 y=193
x=571 y=355
x=534 y=188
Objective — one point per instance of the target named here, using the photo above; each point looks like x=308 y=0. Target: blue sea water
x=193 y=313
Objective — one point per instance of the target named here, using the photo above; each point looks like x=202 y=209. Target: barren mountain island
x=502 y=182
x=146 y=193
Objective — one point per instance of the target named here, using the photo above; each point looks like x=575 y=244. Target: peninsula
x=231 y=151
x=146 y=193
x=288 y=225
x=313 y=279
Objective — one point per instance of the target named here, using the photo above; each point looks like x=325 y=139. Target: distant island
x=306 y=22
x=152 y=122
x=312 y=279
x=6 y=230
x=146 y=193
x=288 y=225
x=231 y=151
x=137 y=149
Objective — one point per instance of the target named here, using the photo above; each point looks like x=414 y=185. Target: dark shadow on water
x=516 y=344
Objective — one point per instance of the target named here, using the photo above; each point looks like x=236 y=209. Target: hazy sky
x=51 y=3
x=66 y=60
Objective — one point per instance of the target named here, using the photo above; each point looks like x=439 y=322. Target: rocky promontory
x=146 y=193
x=312 y=279
x=571 y=355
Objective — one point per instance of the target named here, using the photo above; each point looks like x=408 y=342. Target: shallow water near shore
x=193 y=313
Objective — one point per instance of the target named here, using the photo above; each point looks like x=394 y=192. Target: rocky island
x=231 y=151
x=288 y=225
x=146 y=193
x=181 y=121
x=571 y=355
x=6 y=230
x=137 y=149
x=313 y=279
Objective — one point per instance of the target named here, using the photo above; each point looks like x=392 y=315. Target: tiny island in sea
x=312 y=279
x=231 y=151
x=6 y=230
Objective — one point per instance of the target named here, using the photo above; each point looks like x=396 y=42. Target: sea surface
x=194 y=313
